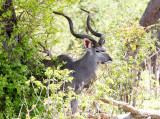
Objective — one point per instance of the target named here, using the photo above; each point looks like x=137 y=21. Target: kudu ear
x=102 y=40
x=87 y=43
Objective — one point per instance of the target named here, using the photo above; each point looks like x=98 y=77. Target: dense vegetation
x=23 y=95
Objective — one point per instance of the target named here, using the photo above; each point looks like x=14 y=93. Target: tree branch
x=46 y=50
x=135 y=113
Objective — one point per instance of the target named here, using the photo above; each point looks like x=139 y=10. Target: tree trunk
x=10 y=23
x=151 y=14
x=150 y=17
x=158 y=48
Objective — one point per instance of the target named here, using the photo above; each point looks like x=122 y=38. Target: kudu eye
x=97 y=51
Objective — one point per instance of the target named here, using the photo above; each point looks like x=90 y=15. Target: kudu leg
x=74 y=106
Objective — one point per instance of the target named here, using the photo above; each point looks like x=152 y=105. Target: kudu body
x=62 y=59
x=84 y=68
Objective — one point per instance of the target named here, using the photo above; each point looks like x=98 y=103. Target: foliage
x=53 y=102
x=19 y=57
x=22 y=95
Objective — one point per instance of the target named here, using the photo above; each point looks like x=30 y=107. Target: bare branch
x=125 y=106
x=20 y=15
x=20 y=111
x=136 y=113
x=46 y=50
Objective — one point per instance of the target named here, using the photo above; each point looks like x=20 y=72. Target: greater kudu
x=85 y=67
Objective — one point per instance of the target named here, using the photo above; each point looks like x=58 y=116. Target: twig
x=92 y=116
x=157 y=52
x=26 y=103
x=46 y=50
x=37 y=96
x=105 y=116
x=6 y=116
x=95 y=103
x=20 y=15
x=20 y=111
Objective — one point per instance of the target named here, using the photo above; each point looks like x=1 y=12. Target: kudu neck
x=89 y=59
